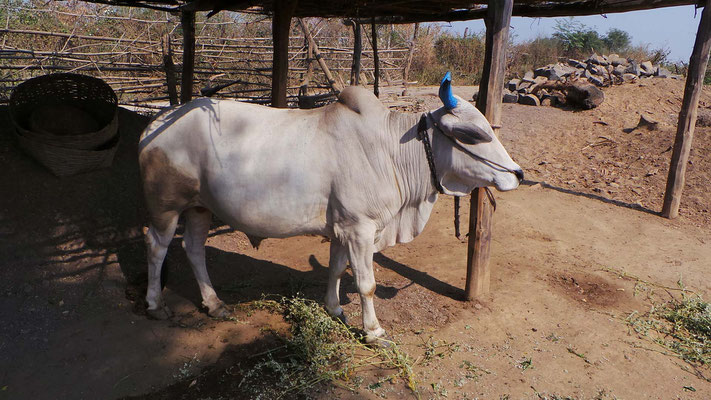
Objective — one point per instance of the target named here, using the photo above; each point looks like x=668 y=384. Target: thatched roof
x=404 y=11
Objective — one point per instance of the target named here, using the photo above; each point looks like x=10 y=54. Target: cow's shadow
x=239 y=278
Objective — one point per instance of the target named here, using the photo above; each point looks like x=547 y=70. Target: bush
x=437 y=54
x=532 y=54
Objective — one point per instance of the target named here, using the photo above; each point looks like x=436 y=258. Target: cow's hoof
x=378 y=338
x=379 y=341
x=162 y=313
x=342 y=317
x=220 y=311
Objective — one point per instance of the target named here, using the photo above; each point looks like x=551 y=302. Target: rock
x=633 y=68
x=596 y=81
x=597 y=60
x=538 y=81
x=523 y=86
x=616 y=60
x=549 y=100
x=576 y=63
x=647 y=68
x=662 y=72
x=528 y=76
x=703 y=118
x=619 y=70
x=629 y=78
x=647 y=122
x=513 y=84
x=510 y=97
x=555 y=72
x=529 y=100
x=595 y=70
x=542 y=71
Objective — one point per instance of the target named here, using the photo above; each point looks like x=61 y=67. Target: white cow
x=352 y=171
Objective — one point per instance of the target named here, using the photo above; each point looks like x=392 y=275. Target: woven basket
x=63 y=161
x=68 y=153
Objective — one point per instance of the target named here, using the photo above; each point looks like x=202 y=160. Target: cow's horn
x=445 y=92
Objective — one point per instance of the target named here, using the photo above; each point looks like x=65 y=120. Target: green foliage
x=683 y=326
x=617 y=40
x=576 y=38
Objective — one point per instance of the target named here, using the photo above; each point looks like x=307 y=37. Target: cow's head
x=467 y=153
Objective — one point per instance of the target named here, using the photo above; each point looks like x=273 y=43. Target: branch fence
x=127 y=48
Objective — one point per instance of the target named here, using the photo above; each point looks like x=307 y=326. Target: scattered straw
x=682 y=326
x=320 y=349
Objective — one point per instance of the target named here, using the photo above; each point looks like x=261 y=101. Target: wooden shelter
x=497 y=15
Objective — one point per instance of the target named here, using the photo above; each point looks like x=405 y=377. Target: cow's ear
x=471 y=134
x=463 y=131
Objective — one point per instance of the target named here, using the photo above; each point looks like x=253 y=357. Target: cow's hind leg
x=336 y=267
x=197 y=226
x=158 y=238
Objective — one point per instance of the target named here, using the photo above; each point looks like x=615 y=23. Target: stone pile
x=538 y=87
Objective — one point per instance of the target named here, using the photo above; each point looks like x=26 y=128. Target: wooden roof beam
x=550 y=9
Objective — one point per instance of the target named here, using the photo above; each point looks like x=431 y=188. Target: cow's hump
x=360 y=100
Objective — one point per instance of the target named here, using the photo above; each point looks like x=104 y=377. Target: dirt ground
x=564 y=246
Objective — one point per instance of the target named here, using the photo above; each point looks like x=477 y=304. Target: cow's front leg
x=360 y=253
x=197 y=227
x=336 y=267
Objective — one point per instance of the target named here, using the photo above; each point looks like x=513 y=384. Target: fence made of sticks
x=137 y=51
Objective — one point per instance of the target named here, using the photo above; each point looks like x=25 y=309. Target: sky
x=670 y=27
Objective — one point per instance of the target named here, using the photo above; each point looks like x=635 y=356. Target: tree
x=577 y=38
x=617 y=40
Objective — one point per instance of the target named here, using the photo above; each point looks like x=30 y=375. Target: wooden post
x=169 y=69
x=410 y=55
x=317 y=53
x=376 y=59
x=187 y=20
x=309 y=58
x=281 y=24
x=357 y=51
x=489 y=102
x=687 y=115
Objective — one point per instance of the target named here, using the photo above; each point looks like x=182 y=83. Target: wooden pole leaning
x=357 y=52
x=319 y=58
x=187 y=20
x=376 y=58
x=281 y=24
x=489 y=102
x=687 y=116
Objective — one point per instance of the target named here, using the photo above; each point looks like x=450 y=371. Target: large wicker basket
x=68 y=153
